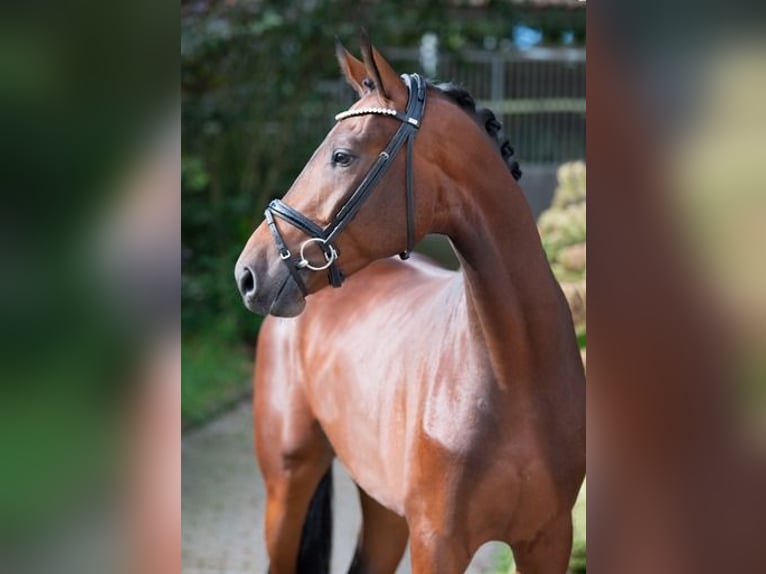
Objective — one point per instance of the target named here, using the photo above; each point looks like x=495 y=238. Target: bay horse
x=456 y=400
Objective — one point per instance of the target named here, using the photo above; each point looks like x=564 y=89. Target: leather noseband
x=325 y=237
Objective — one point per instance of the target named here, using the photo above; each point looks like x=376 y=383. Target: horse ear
x=353 y=69
x=387 y=82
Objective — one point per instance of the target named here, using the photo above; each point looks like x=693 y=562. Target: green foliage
x=194 y=174
x=581 y=338
x=217 y=371
x=563 y=225
x=504 y=562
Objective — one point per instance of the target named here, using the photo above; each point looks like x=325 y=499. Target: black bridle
x=325 y=237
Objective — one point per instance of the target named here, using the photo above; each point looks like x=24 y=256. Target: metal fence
x=538 y=95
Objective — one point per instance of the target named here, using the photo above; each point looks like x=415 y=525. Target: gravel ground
x=223 y=500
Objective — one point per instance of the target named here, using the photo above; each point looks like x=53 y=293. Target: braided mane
x=485 y=118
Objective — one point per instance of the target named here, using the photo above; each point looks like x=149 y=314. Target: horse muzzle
x=268 y=292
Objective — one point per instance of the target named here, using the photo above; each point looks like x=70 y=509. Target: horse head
x=353 y=203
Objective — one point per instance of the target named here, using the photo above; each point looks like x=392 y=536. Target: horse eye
x=342 y=158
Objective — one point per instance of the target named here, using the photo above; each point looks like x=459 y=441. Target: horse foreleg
x=382 y=539
x=289 y=522
x=549 y=552
x=295 y=458
x=433 y=552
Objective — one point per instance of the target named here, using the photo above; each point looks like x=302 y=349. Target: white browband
x=365 y=111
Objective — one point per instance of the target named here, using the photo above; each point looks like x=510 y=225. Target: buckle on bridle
x=330 y=256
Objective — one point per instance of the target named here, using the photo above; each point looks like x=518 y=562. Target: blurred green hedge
x=562 y=228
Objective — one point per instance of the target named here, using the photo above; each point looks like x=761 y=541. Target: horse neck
x=513 y=301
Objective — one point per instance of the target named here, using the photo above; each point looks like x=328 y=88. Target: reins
x=325 y=237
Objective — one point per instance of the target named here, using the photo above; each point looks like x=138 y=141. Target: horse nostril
x=246 y=282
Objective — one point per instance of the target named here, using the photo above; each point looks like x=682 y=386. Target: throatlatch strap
x=409 y=198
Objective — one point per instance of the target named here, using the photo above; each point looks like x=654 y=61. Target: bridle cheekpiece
x=325 y=237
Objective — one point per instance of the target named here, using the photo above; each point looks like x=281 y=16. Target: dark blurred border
x=675 y=431
x=89 y=312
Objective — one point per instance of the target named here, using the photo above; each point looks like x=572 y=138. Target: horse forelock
x=485 y=118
